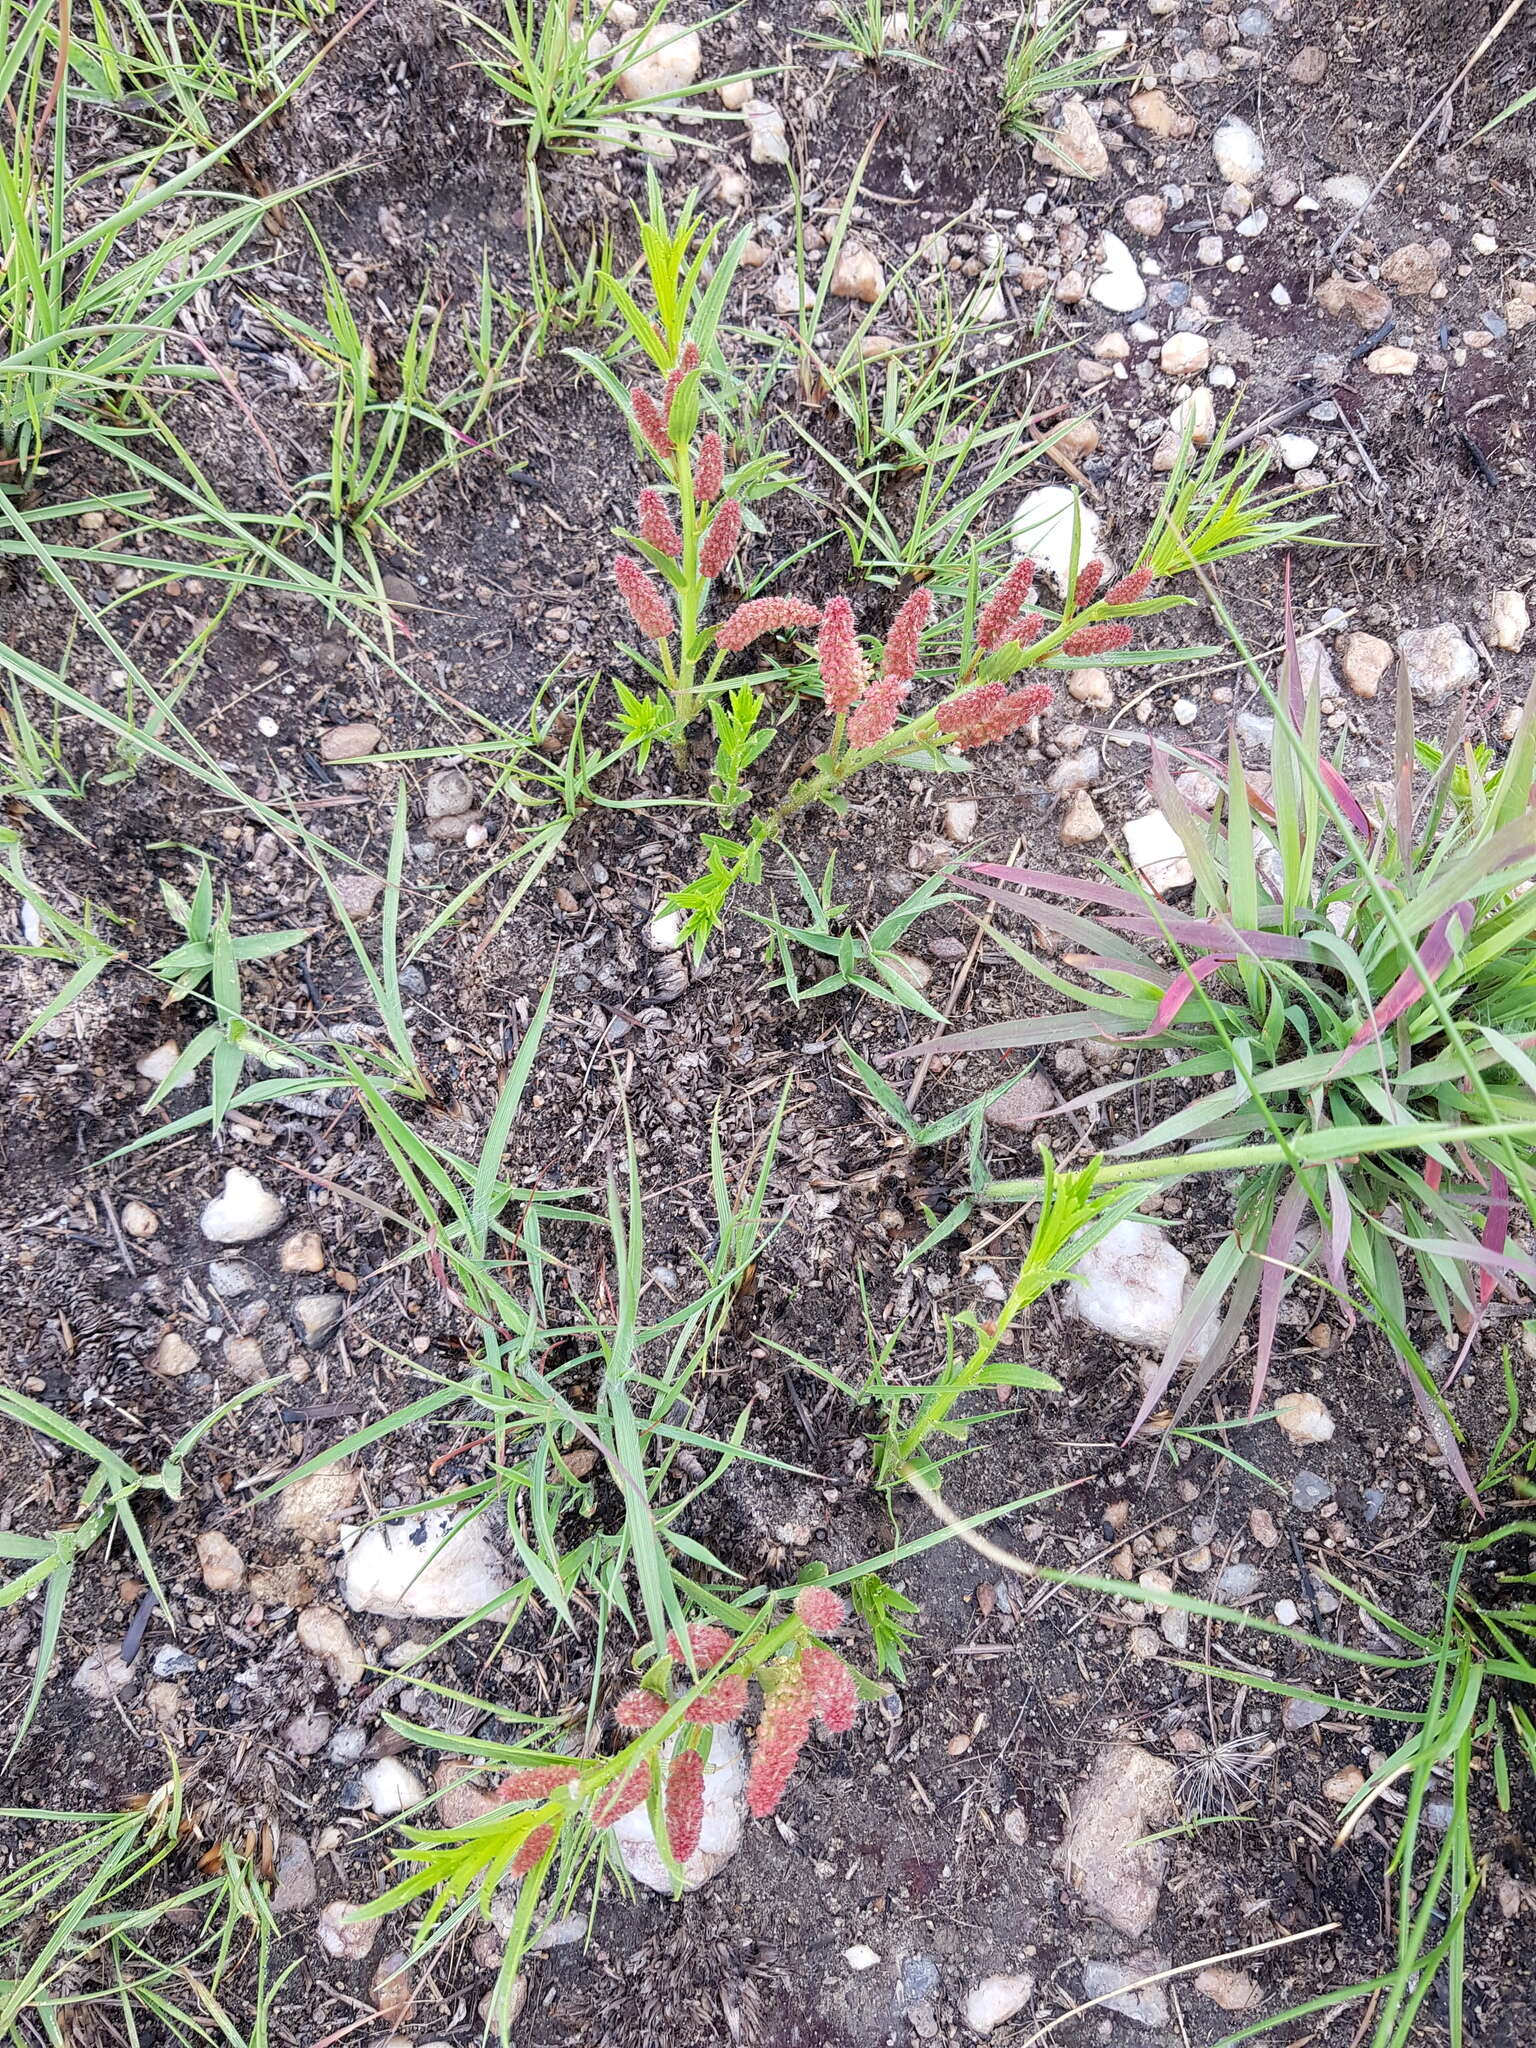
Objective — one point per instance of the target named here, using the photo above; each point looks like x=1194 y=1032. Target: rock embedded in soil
x=458 y=1798
x=242 y=1211
x=1022 y=1106
x=1074 y=145
x=1364 y=660
x=392 y=1992
x=307 y=1734
x=1509 y=620
x=1439 y=662
x=221 y=1565
x=155 y=1065
x=1079 y=770
x=1155 y=112
x=1081 y=823
x=766 y=140
x=449 y=794
x=1391 y=361
x=857 y=275
x=1309 y=66
x=391 y=1786
x=1119 y=286
x=1157 y=853
x=1413 y=270
x=313 y=1507
x=1091 y=688
x=302 y=1253
x=1104 y=1854
x=1131 y=1285
x=293 y=1889
x=103 y=1675
x=725 y=1780
x=1304 y=1418
x=317 y=1315
x=173 y=1356
x=139 y=1220
x=349 y=742
x=995 y=2000
x=1238 y=152
x=426 y=1567
x=1184 y=355
x=323 y=1633
x=1344 y=298
x=342 y=1934
x=1343 y=1785
x=357 y=894
x=1146 y=214
x=958 y=819
x=861 y=1957
x=1115 y=1983
x=664 y=58
x=1346 y=194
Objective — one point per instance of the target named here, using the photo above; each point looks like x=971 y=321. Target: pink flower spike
x=722 y=1702
x=833 y=1689
x=621 y=1797
x=1107 y=638
x=688 y=360
x=709 y=469
x=535 y=1781
x=820 y=1609
x=760 y=615
x=531 y=1851
x=651 y=421
x=638 y=1709
x=649 y=607
x=844 y=671
x=901 y=646
x=976 y=724
x=1089 y=577
x=707 y=1642
x=654 y=525
x=684 y=1803
x=874 y=717
x=966 y=710
x=1130 y=589
x=722 y=539
x=781 y=1735
x=1004 y=606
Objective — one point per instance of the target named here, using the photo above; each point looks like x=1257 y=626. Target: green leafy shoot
x=870 y=964
x=1040 y=65
x=884 y=1613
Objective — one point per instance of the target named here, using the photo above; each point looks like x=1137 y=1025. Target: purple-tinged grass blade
x=1278 y=1264
x=1441 y=1433
x=1105 y=894
x=1178 y=993
x=1495 y=1229
x=1434 y=956
x=1219 y=938
x=1336 y=1238
x=1294 y=698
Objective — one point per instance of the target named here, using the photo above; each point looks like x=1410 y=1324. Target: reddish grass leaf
x=1179 y=991
x=1434 y=956
x=1278 y=1260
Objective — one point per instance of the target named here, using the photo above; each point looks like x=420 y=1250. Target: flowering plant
x=553 y=1814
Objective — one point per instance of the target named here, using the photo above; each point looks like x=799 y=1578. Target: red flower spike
x=1107 y=638
x=722 y=539
x=1130 y=589
x=638 y=1709
x=1003 y=607
x=976 y=723
x=652 y=422
x=723 y=1702
x=684 y=1803
x=709 y=469
x=901 y=646
x=820 y=1609
x=707 y=1642
x=844 y=671
x=532 y=1849
x=688 y=360
x=1026 y=631
x=621 y=1797
x=874 y=717
x=781 y=1735
x=649 y=606
x=1089 y=577
x=654 y=525
x=833 y=1689
x=535 y=1781
x=760 y=615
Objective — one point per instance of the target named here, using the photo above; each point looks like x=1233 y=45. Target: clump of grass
x=1040 y=65
x=1368 y=978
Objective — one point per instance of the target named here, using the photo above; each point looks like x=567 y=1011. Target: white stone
x=1238 y=152
x=766 y=141
x=996 y=1999
x=392 y=1786
x=323 y=1633
x=1075 y=145
x=789 y=296
x=1043 y=527
x=344 y=1936
x=861 y=1956
x=1115 y=1983
x=1439 y=662
x=1509 y=620
x=157 y=1064
x=1119 y=285
x=1195 y=415
x=1131 y=1285
x=661 y=59
x=1348 y=194
x=103 y=1675
x=1296 y=451
x=219 y=1562
x=242 y=1211
x=1233 y=1990
x=173 y=1356
x=857 y=275
x=725 y=1782
x=424 y=1567
x=1081 y=823
x=1303 y=1418
x=1184 y=355
x=1157 y=852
